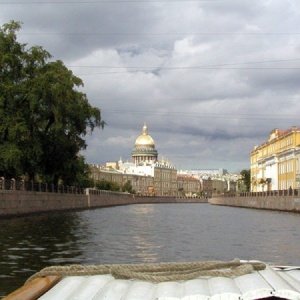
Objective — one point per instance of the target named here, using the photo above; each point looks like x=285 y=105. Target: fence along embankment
x=280 y=200
x=21 y=198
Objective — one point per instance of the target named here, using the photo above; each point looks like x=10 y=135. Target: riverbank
x=17 y=203
x=280 y=203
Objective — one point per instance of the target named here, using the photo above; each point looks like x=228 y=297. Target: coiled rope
x=157 y=272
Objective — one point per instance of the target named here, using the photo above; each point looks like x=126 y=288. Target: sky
x=210 y=79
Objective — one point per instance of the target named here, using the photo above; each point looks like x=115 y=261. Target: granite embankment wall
x=281 y=203
x=15 y=203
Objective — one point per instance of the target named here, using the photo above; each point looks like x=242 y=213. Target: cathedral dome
x=144 y=149
x=145 y=140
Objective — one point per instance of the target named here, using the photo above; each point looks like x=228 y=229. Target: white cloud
x=211 y=79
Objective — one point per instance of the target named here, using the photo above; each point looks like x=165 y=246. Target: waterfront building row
x=163 y=181
x=205 y=172
x=150 y=176
x=275 y=164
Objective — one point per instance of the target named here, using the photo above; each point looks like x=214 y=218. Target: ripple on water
x=145 y=234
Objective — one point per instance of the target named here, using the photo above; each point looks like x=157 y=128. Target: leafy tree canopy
x=44 y=116
x=246 y=174
x=127 y=187
x=106 y=185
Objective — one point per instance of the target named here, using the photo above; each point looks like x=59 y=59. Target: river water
x=144 y=233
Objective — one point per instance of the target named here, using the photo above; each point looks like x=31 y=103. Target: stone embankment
x=280 y=203
x=16 y=203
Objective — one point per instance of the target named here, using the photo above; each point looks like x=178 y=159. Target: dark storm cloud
x=210 y=78
x=70 y=30
x=235 y=8
x=212 y=135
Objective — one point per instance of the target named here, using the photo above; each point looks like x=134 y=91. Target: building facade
x=165 y=179
x=140 y=184
x=205 y=172
x=219 y=186
x=188 y=186
x=275 y=163
x=207 y=187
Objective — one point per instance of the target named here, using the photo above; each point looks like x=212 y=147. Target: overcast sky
x=211 y=79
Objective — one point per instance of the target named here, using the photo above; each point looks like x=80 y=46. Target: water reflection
x=31 y=243
x=144 y=233
x=146 y=249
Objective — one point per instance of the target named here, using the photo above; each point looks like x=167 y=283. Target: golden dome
x=145 y=140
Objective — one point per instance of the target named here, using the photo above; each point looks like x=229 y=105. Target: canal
x=148 y=233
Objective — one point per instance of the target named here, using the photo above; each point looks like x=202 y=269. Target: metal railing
x=274 y=193
x=94 y=191
x=32 y=186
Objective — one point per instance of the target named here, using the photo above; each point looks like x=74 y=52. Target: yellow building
x=275 y=163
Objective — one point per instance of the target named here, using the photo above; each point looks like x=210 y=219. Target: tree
x=44 y=116
x=262 y=182
x=127 y=187
x=246 y=178
x=106 y=185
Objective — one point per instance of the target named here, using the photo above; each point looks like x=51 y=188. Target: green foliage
x=106 y=185
x=246 y=178
x=127 y=187
x=262 y=181
x=44 y=117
